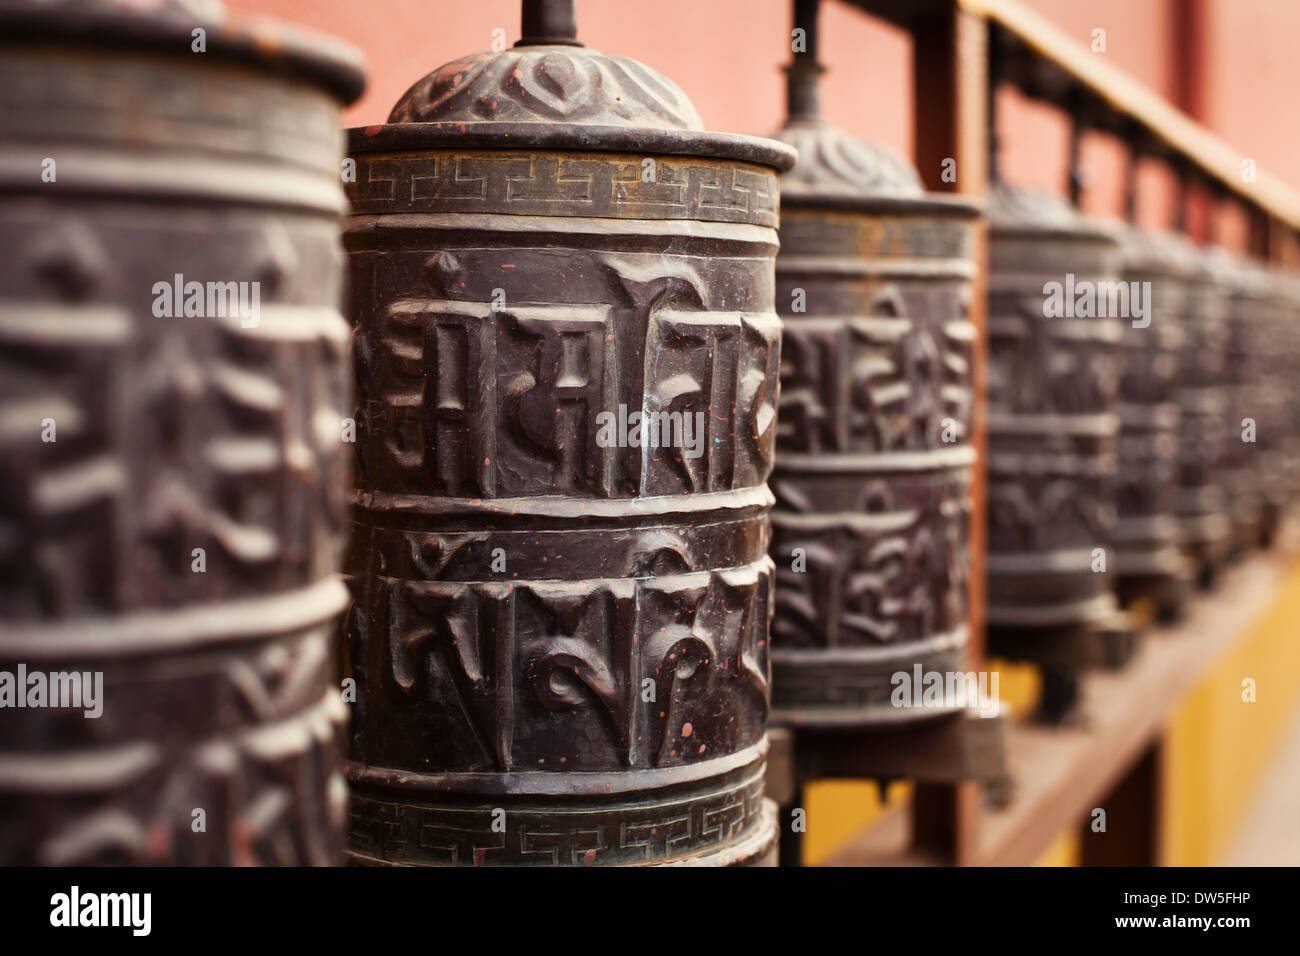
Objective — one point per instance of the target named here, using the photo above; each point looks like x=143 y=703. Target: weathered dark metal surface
x=1274 y=353
x=1251 y=431
x=131 y=440
x=873 y=469
x=1206 y=431
x=561 y=646
x=1282 y=361
x=1148 y=558
x=1053 y=424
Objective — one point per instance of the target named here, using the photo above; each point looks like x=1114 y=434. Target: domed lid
x=1284 y=285
x=1014 y=210
x=835 y=169
x=1215 y=266
x=167 y=26
x=1242 y=275
x=833 y=163
x=1164 y=252
x=547 y=84
x=1252 y=277
x=550 y=91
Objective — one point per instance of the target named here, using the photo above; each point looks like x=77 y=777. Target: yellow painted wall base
x=837 y=809
x=1219 y=743
x=1064 y=852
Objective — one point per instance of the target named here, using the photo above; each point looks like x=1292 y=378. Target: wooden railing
x=962 y=50
x=1047 y=64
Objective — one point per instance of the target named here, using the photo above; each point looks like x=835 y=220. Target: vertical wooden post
x=785 y=785
x=1074 y=176
x=950 y=92
x=790 y=846
x=1133 y=834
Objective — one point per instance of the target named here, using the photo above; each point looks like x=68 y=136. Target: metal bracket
x=955 y=748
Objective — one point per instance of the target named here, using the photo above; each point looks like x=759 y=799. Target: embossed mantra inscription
x=613 y=665
x=560 y=641
x=1207 y=428
x=173 y=488
x=872 y=480
x=1148 y=557
x=560 y=645
x=872 y=483
x=1053 y=421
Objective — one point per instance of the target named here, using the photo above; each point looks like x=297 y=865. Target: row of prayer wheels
x=1137 y=422
x=626 y=485
x=1138 y=436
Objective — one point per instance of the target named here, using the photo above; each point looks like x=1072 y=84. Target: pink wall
x=1254 y=79
x=727 y=55
x=1139 y=34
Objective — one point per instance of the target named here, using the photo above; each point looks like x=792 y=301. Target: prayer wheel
x=1205 y=432
x=1148 y=558
x=567 y=354
x=1252 y=413
x=1054 y=421
x=872 y=480
x=1284 y=363
x=174 y=385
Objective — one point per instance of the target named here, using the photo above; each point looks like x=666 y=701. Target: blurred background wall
x=1226 y=62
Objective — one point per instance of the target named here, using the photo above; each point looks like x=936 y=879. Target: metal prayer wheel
x=1291 y=338
x=568 y=356
x=872 y=478
x=1053 y=421
x=1275 y=340
x=173 y=385
x=1205 y=400
x=1148 y=557
x=1251 y=434
x=1284 y=373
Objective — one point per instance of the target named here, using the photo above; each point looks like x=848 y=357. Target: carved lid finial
x=831 y=163
x=548 y=77
x=1016 y=210
x=549 y=91
x=549 y=23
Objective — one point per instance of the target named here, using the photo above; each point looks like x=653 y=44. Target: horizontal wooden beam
x=1061 y=69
